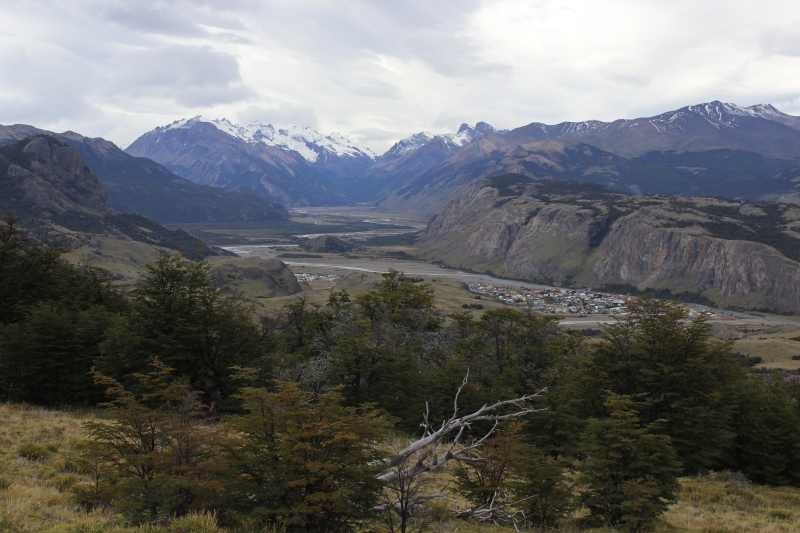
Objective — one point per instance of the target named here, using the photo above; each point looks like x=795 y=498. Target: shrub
x=35 y=452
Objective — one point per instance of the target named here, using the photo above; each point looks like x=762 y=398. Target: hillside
x=60 y=201
x=139 y=185
x=731 y=253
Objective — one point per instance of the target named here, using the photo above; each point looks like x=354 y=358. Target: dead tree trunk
x=403 y=484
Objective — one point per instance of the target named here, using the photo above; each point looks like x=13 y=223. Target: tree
x=767 y=424
x=53 y=317
x=514 y=483
x=303 y=462
x=673 y=370
x=404 y=479
x=630 y=470
x=179 y=316
x=157 y=456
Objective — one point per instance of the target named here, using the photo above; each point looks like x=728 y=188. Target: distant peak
x=304 y=140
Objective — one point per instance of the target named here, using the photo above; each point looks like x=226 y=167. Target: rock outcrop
x=54 y=179
x=553 y=231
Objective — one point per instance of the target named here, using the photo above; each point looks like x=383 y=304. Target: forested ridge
x=308 y=419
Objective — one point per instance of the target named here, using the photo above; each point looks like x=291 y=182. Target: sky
x=379 y=70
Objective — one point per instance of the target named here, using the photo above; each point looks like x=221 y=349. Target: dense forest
x=340 y=417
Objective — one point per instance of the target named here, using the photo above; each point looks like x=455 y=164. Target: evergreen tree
x=673 y=369
x=630 y=471
x=53 y=317
x=767 y=424
x=157 y=456
x=303 y=461
x=179 y=316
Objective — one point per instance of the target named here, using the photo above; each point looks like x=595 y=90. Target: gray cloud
x=157 y=19
x=378 y=134
x=375 y=88
x=782 y=41
x=280 y=114
x=192 y=76
x=453 y=55
x=371 y=68
x=43 y=85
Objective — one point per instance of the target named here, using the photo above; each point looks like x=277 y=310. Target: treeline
x=292 y=420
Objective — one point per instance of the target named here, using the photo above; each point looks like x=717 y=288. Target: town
x=555 y=301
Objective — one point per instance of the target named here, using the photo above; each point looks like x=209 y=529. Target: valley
x=387 y=240
x=399 y=267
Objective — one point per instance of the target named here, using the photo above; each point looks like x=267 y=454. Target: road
x=425 y=269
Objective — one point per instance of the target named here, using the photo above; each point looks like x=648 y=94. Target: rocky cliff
x=734 y=253
x=46 y=175
x=48 y=186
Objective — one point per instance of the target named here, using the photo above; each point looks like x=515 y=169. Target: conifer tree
x=630 y=470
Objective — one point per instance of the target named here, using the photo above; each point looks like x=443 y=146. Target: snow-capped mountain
x=278 y=164
x=411 y=156
x=453 y=141
x=713 y=125
x=312 y=145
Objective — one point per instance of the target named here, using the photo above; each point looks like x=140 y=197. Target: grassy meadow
x=41 y=463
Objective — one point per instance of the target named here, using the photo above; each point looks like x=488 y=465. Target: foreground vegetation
x=40 y=448
x=308 y=419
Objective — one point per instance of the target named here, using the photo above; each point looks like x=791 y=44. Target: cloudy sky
x=379 y=70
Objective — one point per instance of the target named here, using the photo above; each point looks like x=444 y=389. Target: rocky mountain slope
x=409 y=158
x=732 y=253
x=761 y=129
x=59 y=201
x=139 y=185
x=58 y=198
x=277 y=164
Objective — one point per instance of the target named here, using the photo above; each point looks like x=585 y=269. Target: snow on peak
x=309 y=143
x=453 y=141
x=726 y=113
x=409 y=144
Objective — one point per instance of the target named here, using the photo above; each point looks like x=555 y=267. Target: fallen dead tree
x=407 y=489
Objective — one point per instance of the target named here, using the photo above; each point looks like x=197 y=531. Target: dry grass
x=720 y=503
x=776 y=345
x=37 y=469
x=38 y=448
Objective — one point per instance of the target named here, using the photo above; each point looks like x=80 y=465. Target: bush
x=195 y=522
x=36 y=452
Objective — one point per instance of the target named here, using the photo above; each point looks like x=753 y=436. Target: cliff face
x=531 y=230
x=639 y=253
x=48 y=175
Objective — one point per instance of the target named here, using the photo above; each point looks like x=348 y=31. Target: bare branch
x=431 y=439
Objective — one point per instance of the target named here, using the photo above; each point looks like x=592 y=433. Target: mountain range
x=58 y=200
x=49 y=187
x=715 y=149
